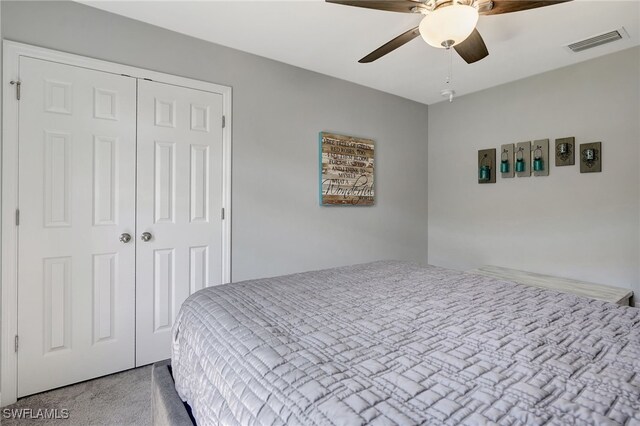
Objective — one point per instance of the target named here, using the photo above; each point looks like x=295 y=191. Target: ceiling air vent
x=598 y=40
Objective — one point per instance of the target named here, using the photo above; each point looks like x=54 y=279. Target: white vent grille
x=598 y=40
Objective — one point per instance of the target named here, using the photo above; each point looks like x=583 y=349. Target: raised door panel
x=199 y=184
x=164 y=188
x=163 y=288
x=57 y=306
x=105 y=104
x=57 y=183
x=58 y=97
x=105 y=283
x=105 y=180
x=198 y=268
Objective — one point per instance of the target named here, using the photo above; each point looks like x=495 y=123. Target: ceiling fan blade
x=508 y=6
x=391 y=46
x=405 y=6
x=473 y=48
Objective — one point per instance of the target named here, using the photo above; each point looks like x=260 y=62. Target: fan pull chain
x=450 y=74
x=448 y=92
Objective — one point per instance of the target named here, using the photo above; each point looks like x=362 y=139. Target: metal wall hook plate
x=508 y=155
x=523 y=159
x=591 y=157
x=565 y=152
x=487 y=166
x=540 y=163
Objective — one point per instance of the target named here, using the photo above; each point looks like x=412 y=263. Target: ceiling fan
x=446 y=24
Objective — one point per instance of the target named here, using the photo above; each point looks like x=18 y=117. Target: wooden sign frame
x=347 y=168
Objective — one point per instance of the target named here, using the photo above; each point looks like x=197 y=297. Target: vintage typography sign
x=346 y=170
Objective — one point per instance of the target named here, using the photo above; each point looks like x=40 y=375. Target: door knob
x=125 y=238
x=146 y=236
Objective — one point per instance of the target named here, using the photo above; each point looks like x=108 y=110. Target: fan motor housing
x=431 y=5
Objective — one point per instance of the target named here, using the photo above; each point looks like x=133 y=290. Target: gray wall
x=583 y=226
x=278 y=225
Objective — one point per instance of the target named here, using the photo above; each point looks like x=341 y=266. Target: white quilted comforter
x=393 y=343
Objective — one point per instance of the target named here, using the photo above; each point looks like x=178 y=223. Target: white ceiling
x=330 y=39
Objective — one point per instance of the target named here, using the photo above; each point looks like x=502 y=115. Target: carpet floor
x=119 y=399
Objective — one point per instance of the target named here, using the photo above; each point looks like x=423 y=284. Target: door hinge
x=17 y=217
x=17 y=83
x=224 y=121
x=16 y=343
x=222 y=214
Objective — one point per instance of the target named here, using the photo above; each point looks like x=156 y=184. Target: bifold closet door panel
x=179 y=202
x=76 y=289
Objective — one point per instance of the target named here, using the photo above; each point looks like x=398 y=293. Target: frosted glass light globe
x=448 y=26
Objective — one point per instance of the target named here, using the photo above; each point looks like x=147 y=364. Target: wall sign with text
x=346 y=170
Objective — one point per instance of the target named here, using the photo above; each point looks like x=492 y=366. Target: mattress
x=395 y=343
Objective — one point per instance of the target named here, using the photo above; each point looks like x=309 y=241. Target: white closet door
x=179 y=205
x=76 y=197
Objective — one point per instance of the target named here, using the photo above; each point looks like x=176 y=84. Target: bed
x=396 y=343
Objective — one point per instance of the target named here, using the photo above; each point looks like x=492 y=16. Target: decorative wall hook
x=485 y=169
x=565 y=151
x=520 y=164
x=591 y=157
x=506 y=161
x=523 y=159
x=486 y=166
x=540 y=163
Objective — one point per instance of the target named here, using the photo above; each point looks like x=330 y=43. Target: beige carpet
x=119 y=399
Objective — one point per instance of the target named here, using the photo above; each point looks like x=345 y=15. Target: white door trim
x=11 y=72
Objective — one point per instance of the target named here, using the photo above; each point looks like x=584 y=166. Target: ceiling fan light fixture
x=448 y=26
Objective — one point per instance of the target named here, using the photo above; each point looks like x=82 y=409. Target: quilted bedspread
x=394 y=343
